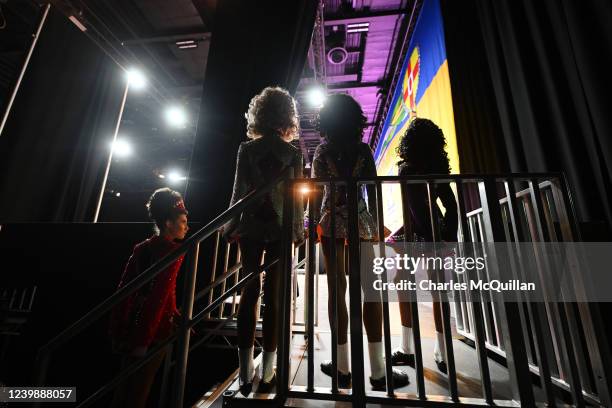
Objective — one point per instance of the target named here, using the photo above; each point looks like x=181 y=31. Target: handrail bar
x=155 y=269
x=465 y=177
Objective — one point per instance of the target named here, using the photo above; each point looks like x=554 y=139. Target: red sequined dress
x=147 y=315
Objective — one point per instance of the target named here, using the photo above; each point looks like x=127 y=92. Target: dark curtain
x=550 y=64
x=254 y=45
x=54 y=147
x=477 y=124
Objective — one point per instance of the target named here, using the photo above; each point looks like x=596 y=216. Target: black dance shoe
x=267 y=387
x=441 y=365
x=398 y=357
x=245 y=388
x=344 y=380
x=400 y=379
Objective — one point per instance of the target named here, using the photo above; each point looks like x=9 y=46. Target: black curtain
x=550 y=63
x=254 y=45
x=477 y=124
x=54 y=147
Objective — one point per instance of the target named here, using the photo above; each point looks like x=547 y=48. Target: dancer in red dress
x=147 y=316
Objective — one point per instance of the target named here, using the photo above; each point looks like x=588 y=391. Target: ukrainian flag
x=423 y=91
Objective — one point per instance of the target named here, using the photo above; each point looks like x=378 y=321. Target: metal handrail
x=150 y=273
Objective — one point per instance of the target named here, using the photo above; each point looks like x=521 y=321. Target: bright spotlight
x=304 y=189
x=122 y=148
x=175 y=177
x=136 y=79
x=176 y=117
x=316 y=97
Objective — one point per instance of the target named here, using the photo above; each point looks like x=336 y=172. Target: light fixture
x=304 y=189
x=316 y=97
x=136 y=79
x=121 y=148
x=175 y=176
x=186 y=44
x=357 y=27
x=176 y=117
x=118 y=194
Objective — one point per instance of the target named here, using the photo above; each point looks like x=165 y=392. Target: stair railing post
x=184 y=330
x=285 y=272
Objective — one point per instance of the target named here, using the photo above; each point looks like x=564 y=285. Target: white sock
x=377 y=362
x=268 y=365
x=245 y=360
x=439 y=347
x=407 y=340
x=343 y=358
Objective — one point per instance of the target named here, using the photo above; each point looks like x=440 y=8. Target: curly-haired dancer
x=272 y=123
x=421 y=151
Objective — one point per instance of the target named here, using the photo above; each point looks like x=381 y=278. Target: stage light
x=118 y=194
x=304 y=189
x=316 y=97
x=176 y=117
x=175 y=177
x=136 y=79
x=121 y=148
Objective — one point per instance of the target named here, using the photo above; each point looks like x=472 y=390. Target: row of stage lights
x=175 y=117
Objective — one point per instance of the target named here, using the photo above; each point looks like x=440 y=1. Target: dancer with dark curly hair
x=272 y=123
x=422 y=151
x=343 y=154
x=147 y=316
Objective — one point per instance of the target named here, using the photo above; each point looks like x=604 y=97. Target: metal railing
x=514 y=329
x=489 y=210
x=180 y=340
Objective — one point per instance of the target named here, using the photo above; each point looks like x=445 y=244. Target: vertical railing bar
x=492 y=319
x=479 y=330
x=213 y=274
x=316 y=288
x=32 y=297
x=236 y=279
x=485 y=295
x=567 y=335
x=258 y=306
x=355 y=295
x=443 y=299
x=185 y=328
x=385 y=297
x=284 y=345
x=514 y=345
x=414 y=305
x=333 y=255
x=225 y=267
x=310 y=291
x=294 y=285
x=480 y=305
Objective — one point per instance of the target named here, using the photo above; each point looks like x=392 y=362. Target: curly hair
x=422 y=147
x=163 y=205
x=271 y=113
x=341 y=120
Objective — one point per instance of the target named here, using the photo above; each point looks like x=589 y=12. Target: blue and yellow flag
x=423 y=91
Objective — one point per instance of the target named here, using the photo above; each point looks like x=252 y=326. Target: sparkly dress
x=147 y=315
x=347 y=161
